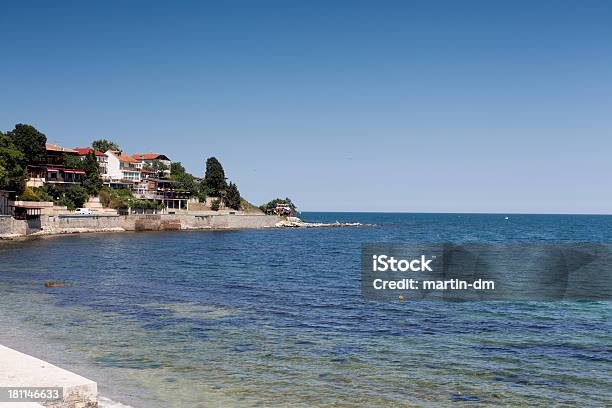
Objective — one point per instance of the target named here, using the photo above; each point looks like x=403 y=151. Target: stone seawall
x=12 y=228
x=67 y=224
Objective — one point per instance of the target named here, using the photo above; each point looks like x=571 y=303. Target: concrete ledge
x=21 y=370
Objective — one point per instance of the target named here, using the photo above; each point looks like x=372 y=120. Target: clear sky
x=453 y=106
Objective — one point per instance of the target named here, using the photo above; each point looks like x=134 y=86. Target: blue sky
x=452 y=106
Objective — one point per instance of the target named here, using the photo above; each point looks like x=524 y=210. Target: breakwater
x=11 y=228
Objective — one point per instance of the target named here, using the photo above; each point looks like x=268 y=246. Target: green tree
x=49 y=192
x=214 y=178
x=93 y=181
x=231 y=198
x=105 y=195
x=185 y=180
x=28 y=195
x=74 y=197
x=158 y=167
x=72 y=162
x=269 y=207
x=13 y=175
x=120 y=198
x=177 y=168
x=102 y=145
x=30 y=142
x=215 y=204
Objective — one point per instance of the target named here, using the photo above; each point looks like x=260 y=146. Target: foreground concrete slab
x=21 y=370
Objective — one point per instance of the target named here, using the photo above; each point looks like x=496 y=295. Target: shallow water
x=275 y=317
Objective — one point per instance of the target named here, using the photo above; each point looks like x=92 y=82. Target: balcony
x=160 y=194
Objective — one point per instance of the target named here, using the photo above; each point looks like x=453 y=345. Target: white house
x=122 y=167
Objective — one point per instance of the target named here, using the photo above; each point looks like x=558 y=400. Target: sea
x=276 y=317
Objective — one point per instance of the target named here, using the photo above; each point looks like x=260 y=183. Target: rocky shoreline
x=294 y=222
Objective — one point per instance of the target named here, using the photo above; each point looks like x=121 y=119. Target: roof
x=126 y=158
x=56 y=148
x=123 y=157
x=82 y=151
x=150 y=156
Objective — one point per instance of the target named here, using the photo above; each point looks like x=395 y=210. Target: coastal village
x=145 y=175
x=60 y=189
x=118 y=171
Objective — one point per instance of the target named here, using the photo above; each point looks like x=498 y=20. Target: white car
x=83 y=211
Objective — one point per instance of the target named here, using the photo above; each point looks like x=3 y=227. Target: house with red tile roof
x=150 y=160
x=82 y=151
x=53 y=169
x=102 y=159
x=122 y=168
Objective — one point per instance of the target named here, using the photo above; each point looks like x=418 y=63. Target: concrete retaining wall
x=76 y=223
x=231 y=221
x=65 y=224
x=10 y=227
x=22 y=370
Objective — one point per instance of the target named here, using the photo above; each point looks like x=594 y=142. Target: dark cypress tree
x=214 y=178
x=232 y=197
x=93 y=181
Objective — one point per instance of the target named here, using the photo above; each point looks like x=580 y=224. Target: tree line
x=214 y=184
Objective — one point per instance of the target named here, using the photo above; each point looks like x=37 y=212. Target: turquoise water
x=275 y=317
